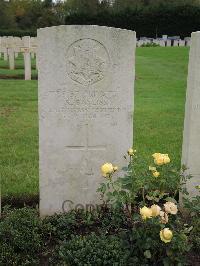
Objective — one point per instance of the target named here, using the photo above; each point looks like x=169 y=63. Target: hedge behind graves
x=149 y=22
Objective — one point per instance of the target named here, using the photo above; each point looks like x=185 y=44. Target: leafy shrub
x=151 y=21
x=195 y=234
x=93 y=250
x=141 y=183
x=21 y=237
x=139 y=223
x=193 y=207
x=17 y=33
x=63 y=226
x=147 y=196
x=146 y=248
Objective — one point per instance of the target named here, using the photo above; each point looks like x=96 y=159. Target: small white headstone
x=181 y=43
x=11 y=53
x=86 y=80
x=175 y=43
x=169 y=43
x=162 y=43
x=4 y=46
x=27 y=57
x=164 y=37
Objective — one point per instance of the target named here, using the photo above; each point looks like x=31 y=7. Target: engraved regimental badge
x=87 y=61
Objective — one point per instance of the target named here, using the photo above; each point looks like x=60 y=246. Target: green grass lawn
x=158 y=119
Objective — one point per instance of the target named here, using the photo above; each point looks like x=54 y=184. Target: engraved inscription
x=87 y=62
x=196 y=106
x=87 y=104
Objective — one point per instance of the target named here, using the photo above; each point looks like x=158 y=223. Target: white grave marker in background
x=27 y=57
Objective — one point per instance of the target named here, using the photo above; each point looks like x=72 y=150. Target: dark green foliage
x=106 y=220
x=18 y=32
x=93 y=250
x=21 y=237
x=195 y=234
x=6 y=16
x=83 y=238
x=146 y=248
x=153 y=21
x=150 y=18
x=193 y=208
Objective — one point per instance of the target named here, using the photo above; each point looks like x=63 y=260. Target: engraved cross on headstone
x=87 y=148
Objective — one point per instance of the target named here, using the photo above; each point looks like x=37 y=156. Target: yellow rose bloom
x=130 y=152
x=156 y=174
x=145 y=213
x=161 y=159
x=152 y=168
x=155 y=155
x=106 y=169
x=164 y=217
x=155 y=210
x=166 y=235
x=115 y=168
x=166 y=159
x=170 y=207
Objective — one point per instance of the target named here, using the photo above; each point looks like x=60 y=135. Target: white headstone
x=176 y=43
x=140 y=43
x=164 y=37
x=162 y=43
x=188 y=41
x=181 y=43
x=86 y=83
x=18 y=44
x=156 y=41
x=169 y=43
x=191 y=136
x=5 y=50
x=27 y=57
x=11 y=52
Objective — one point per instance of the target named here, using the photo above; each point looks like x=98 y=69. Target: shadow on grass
x=20 y=201
x=17 y=76
x=33 y=67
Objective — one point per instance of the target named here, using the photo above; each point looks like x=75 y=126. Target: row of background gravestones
x=10 y=47
x=168 y=42
x=86 y=86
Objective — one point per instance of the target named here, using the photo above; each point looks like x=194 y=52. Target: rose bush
x=147 y=194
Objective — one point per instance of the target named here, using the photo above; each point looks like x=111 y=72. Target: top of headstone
x=195 y=33
x=79 y=27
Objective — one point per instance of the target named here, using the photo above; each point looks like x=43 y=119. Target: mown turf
x=158 y=120
x=161 y=75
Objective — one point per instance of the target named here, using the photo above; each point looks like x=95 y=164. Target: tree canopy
x=28 y=15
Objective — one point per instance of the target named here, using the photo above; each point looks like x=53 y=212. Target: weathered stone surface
x=27 y=57
x=11 y=52
x=181 y=43
x=86 y=82
x=191 y=136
